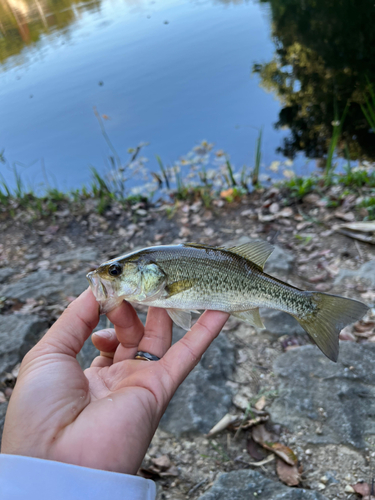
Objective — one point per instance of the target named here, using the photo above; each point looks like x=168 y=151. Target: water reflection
x=325 y=51
x=24 y=22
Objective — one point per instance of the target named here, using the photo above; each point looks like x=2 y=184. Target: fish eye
x=115 y=269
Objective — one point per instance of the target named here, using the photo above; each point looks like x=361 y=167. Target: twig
x=359 y=250
x=196 y=487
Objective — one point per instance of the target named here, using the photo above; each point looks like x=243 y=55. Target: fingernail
x=105 y=334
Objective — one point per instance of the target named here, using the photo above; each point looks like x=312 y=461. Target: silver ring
x=146 y=356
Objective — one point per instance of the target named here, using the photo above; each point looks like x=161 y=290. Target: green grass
x=300 y=186
x=336 y=134
x=369 y=204
x=368 y=109
x=258 y=159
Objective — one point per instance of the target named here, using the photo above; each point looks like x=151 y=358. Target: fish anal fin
x=251 y=316
x=181 y=318
x=178 y=287
x=256 y=251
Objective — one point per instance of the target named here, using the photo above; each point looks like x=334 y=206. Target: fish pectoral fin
x=251 y=316
x=256 y=251
x=181 y=318
x=178 y=287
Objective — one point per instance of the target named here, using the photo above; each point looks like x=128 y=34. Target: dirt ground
x=186 y=467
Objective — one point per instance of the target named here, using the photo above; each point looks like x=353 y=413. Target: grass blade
x=258 y=158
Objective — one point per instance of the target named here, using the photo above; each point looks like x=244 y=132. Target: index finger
x=185 y=354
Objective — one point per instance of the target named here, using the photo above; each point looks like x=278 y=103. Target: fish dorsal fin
x=256 y=251
x=252 y=316
x=180 y=317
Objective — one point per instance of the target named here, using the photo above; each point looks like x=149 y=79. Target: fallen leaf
x=283 y=452
x=255 y=450
x=264 y=438
x=347 y=216
x=227 y=193
x=285 y=212
x=266 y=218
x=311 y=198
x=288 y=474
x=260 y=404
x=274 y=208
x=362 y=231
x=362 y=326
x=162 y=463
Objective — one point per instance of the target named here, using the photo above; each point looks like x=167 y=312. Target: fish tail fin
x=331 y=314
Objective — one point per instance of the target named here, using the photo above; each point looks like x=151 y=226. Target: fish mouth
x=97 y=286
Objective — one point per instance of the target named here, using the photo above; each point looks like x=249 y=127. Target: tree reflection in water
x=325 y=51
x=24 y=22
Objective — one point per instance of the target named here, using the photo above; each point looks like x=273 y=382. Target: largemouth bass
x=189 y=277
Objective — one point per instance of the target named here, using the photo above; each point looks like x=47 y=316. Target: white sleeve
x=26 y=478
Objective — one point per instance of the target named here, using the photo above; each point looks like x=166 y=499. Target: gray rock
x=5 y=273
x=203 y=398
x=246 y=484
x=85 y=254
x=280 y=262
x=88 y=351
x=279 y=323
x=337 y=399
x=45 y=283
x=18 y=334
x=365 y=274
x=3 y=410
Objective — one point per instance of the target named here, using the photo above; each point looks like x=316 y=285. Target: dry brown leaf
x=264 y=438
x=285 y=212
x=348 y=216
x=283 y=452
x=365 y=335
x=288 y=474
x=226 y=193
x=162 y=463
x=261 y=435
x=362 y=326
x=255 y=450
x=260 y=404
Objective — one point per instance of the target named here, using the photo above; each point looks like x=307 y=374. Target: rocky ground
x=297 y=426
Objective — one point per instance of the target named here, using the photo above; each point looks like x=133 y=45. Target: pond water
x=174 y=72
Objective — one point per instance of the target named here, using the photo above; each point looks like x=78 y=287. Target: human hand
x=103 y=417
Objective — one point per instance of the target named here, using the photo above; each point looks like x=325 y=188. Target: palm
x=104 y=417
